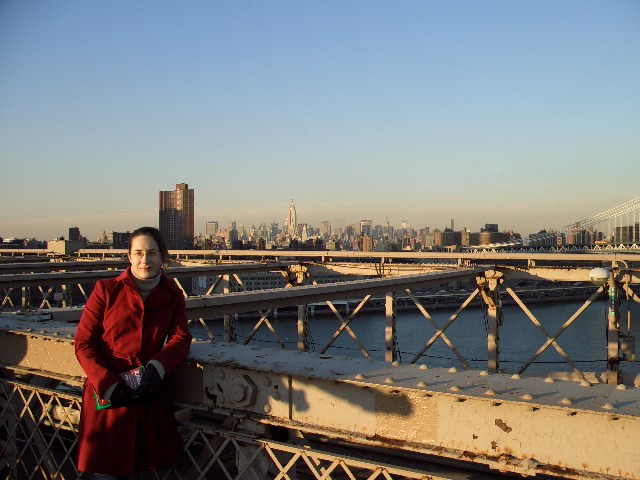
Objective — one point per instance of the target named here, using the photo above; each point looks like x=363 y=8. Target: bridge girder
x=521 y=425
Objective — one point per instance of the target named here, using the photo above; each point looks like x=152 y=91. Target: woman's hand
x=150 y=383
x=122 y=396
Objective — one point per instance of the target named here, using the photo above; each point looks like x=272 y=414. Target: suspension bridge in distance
x=615 y=229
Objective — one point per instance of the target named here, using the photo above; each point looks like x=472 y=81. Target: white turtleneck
x=145 y=285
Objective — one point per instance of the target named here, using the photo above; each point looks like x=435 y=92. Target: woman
x=137 y=319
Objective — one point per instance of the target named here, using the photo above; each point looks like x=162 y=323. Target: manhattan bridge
x=616 y=229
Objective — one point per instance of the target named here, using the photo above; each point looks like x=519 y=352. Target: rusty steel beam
x=42 y=346
x=330 y=254
x=9 y=268
x=559 y=274
x=470 y=258
x=522 y=425
x=215 y=305
x=377 y=269
x=81 y=277
x=554 y=274
x=207 y=306
x=530 y=426
x=20 y=252
x=517 y=266
x=59 y=278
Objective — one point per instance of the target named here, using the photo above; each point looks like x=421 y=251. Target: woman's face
x=145 y=257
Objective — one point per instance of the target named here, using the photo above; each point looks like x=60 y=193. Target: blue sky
x=525 y=114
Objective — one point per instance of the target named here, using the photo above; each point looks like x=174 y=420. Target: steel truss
x=208 y=310
x=39 y=434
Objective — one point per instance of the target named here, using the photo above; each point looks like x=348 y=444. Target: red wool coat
x=118 y=332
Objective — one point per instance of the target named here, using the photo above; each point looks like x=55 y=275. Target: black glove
x=150 y=383
x=122 y=396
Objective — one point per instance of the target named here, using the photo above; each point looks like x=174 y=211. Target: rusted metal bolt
x=238 y=392
x=243 y=391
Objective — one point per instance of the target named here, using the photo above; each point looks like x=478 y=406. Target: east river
x=584 y=341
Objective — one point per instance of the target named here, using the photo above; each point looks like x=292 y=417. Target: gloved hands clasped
x=150 y=383
x=122 y=396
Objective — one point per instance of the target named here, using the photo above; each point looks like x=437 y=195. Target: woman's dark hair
x=156 y=235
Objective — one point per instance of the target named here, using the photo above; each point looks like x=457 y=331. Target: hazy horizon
x=524 y=114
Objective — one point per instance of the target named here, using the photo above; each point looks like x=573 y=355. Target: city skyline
x=289 y=224
x=523 y=114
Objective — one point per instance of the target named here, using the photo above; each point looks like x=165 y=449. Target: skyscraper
x=74 y=234
x=325 y=230
x=211 y=228
x=365 y=227
x=176 y=217
x=292 y=221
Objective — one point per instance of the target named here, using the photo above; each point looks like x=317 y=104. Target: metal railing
x=494 y=285
x=38 y=432
x=39 y=435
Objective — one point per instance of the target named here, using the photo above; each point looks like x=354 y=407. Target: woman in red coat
x=137 y=319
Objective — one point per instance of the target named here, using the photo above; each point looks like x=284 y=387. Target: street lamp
x=604 y=278
x=599 y=276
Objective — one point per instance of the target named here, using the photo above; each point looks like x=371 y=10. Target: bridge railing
x=493 y=284
x=39 y=437
x=255 y=413
x=389 y=292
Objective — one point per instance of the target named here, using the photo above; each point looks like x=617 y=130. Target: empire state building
x=292 y=221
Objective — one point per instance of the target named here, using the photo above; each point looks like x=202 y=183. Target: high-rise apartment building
x=366 y=243
x=176 y=217
x=120 y=239
x=74 y=234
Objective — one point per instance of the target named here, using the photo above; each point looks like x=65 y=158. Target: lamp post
x=606 y=278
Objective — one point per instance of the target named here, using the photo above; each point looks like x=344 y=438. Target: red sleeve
x=88 y=335
x=178 y=338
